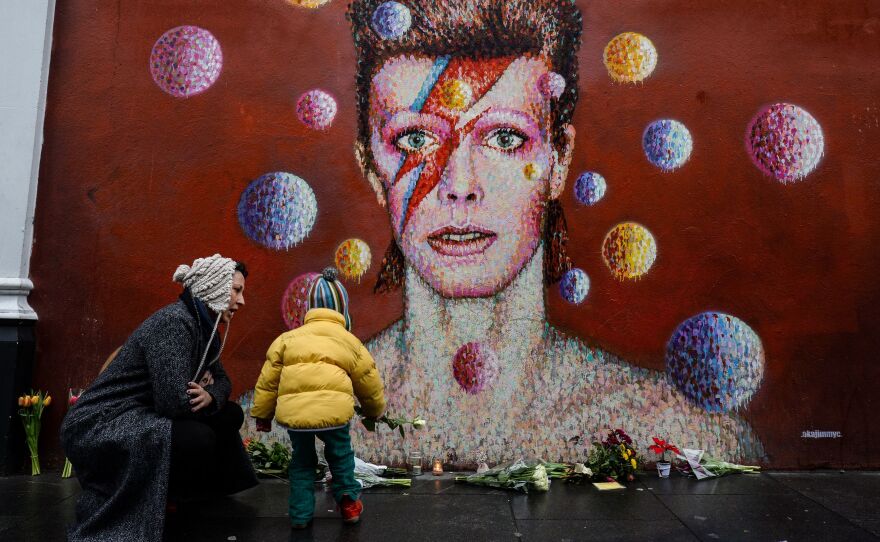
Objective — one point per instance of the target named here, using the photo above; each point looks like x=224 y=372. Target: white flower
x=580 y=468
x=540 y=480
x=419 y=423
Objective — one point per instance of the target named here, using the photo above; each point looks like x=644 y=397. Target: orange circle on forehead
x=456 y=94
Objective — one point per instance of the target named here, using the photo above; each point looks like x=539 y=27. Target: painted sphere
x=630 y=57
x=456 y=94
x=353 y=258
x=277 y=210
x=629 y=250
x=475 y=367
x=185 y=61
x=785 y=142
x=316 y=109
x=295 y=303
x=716 y=360
x=551 y=85
x=574 y=286
x=308 y=3
x=391 y=20
x=667 y=144
x=590 y=188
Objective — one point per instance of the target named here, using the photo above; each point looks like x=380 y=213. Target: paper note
x=604 y=486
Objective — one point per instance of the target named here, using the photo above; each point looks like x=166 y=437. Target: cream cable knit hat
x=209 y=279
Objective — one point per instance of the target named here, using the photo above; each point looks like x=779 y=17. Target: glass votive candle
x=437 y=470
x=415 y=463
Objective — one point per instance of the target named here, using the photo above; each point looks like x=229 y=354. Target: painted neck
x=504 y=319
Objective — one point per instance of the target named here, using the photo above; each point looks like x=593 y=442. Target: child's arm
x=368 y=385
x=266 y=390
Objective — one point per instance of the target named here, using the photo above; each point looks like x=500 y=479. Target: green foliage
x=268 y=461
x=614 y=458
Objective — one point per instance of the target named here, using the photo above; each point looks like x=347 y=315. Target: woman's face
x=463 y=151
x=236 y=297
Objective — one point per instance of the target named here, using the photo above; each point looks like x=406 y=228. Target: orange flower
x=35 y=399
x=21 y=401
x=27 y=400
x=47 y=401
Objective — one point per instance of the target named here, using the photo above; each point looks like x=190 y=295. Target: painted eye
x=506 y=139
x=415 y=141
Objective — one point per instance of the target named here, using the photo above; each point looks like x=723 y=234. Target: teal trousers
x=304 y=460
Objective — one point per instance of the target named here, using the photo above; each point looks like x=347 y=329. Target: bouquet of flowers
x=703 y=466
x=580 y=474
x=31 y=410
x=558 y=470
x=518 y=475
x=268 y=461
x=370 y=475
x=72 y=397
x=391 y=422
x=614 y=458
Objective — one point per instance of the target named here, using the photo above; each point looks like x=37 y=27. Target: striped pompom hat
x=328 y=293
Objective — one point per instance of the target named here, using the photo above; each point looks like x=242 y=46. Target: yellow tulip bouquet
x=31 y=410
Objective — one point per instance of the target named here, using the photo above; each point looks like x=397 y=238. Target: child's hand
x=263 y=425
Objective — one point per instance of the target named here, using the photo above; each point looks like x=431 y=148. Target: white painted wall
x=25 y=49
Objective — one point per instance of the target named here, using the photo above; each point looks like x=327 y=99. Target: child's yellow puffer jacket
x=314 y=372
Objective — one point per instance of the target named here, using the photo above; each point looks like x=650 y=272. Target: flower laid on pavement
x=518 y=475
x=31 y=410
x=703 y=466
x=370 y=475
x=268 y=461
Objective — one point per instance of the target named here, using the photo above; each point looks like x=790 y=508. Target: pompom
x=329 y=274
x=181 y=273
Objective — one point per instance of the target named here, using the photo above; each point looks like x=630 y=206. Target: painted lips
x=452 y=241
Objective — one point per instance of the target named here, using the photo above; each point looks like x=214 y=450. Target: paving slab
x=605 y=530
x=762 y=517
x=854 y=495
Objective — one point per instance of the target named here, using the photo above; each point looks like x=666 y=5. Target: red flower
x=660 y=446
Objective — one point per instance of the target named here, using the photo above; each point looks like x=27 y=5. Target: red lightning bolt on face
x=481 y=75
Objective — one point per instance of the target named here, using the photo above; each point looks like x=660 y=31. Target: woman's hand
x=199 y=398
x=207 y=378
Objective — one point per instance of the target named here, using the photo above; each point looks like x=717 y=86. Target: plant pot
x=663 y=468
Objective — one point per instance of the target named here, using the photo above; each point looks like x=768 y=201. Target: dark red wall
x=134 y=182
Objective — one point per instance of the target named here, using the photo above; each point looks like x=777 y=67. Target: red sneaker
x=351 y=509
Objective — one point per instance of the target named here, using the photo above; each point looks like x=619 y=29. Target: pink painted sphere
x=551 y=85
x=316 y=109
x=475 y=367
x=785 y=142
x=295 y=303
x=186 y=61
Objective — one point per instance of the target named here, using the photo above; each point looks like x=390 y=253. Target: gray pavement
x=774 y=506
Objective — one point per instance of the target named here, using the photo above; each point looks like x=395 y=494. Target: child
x=313 y=373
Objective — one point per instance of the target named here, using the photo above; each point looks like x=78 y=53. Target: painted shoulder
x=642 y=399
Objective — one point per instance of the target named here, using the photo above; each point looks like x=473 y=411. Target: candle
x=438 y=468
x=415 y=461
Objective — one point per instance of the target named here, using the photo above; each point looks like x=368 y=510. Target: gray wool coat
x=118 y=435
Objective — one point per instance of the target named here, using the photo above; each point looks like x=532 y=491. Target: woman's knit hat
x=209 y=279
x=328 y=293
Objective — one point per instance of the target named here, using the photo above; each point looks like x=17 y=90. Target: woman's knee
x=192 y=438
x=229 y=417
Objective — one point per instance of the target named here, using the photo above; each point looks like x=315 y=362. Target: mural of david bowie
x=465 y=135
